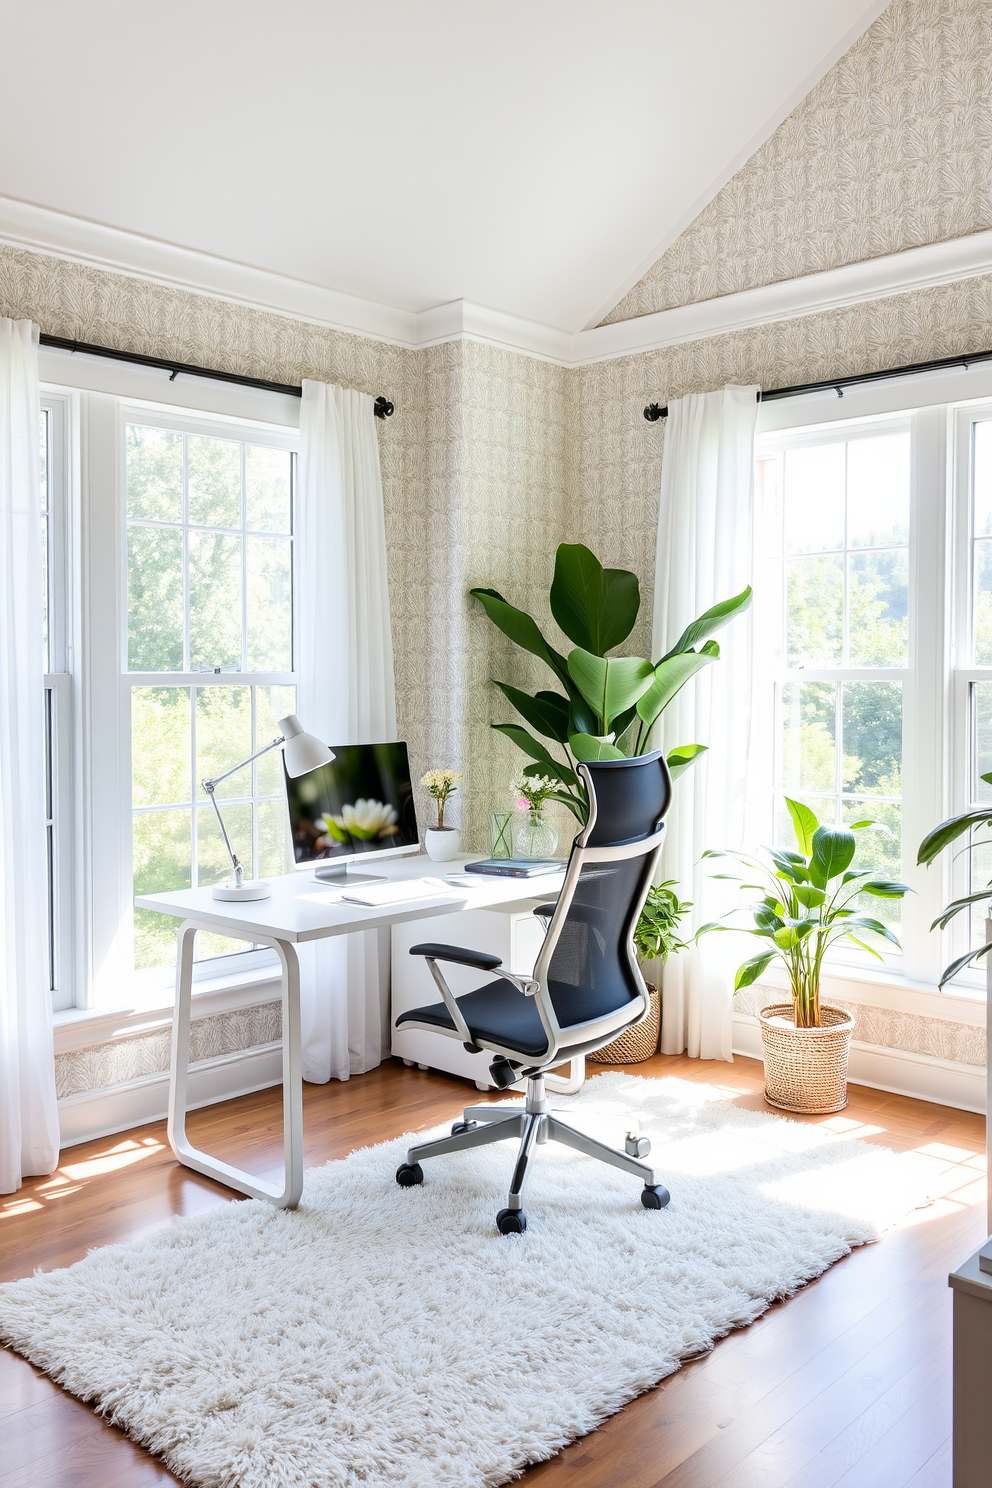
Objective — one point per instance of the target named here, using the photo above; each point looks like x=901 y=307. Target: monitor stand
x=341 y=875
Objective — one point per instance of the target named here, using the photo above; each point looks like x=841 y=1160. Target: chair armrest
x=545 y=910
x=437 y=951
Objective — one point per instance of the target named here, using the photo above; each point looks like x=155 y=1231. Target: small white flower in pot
x=808 y=905
x=441 y=842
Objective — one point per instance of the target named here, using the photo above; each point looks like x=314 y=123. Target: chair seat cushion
x=496 y=1012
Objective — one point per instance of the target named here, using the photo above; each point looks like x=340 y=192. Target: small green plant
x=932 y=846
x=656 y=936
x=806 y=905
x=441 y=784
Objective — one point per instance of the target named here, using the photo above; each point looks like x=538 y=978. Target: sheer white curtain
x=345 y=668
x=704 y=555
x=29 y=1123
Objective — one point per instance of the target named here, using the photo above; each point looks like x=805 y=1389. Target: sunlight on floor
x=70 y=1177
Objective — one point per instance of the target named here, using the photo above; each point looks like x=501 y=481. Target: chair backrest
x=587 y=967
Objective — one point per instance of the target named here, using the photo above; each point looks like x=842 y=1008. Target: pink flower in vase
x=522 y=804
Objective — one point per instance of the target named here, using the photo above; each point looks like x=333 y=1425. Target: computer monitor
x=358 y=806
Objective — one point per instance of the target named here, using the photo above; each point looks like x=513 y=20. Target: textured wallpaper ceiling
x=533 y=158
x=892 y=149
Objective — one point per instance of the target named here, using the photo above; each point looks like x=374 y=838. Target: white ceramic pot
x=442 y=843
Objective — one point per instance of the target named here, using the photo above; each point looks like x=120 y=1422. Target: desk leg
x=288 y=1195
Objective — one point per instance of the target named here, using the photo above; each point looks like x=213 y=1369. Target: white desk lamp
x=302 y=752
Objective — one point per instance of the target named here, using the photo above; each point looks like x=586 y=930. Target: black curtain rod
x=654 y=412
x=382 y=407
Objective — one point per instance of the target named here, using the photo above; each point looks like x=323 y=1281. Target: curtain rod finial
x=382 y=408
x=654 y=412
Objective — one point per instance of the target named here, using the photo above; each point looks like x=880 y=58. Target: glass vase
x=536 y=838
x=501 y=834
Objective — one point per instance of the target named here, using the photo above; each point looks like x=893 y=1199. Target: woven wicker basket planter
x=806 y=1068
x=636 y=1043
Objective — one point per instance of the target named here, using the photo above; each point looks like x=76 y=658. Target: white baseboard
x=101 y=1113
x=895 y=1070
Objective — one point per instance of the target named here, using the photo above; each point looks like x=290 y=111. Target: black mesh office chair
x=586 y=987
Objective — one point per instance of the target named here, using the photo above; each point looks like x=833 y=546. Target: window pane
x=814 y=499
x=214 y=482
x=154 y=474
x=878 y=491
x=879 y=849
x=223 y=737
x=160 y=746
x=274 y=854
x=979 y=876
x=872 y=723
x=816 y=610
x=808 y=748
x=271 y=704
x=155 y=599
x=982 y=521
x=981 y=724
x=983 y=603
x=878 y=608
x=161 y=843
x=267 y=489
x=270 y=604
x=214 y=601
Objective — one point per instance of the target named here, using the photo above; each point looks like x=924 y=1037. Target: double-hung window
x=208 y=657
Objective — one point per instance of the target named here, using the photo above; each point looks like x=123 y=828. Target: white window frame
x=927 y=713
x=59 y=703
x=98 y=398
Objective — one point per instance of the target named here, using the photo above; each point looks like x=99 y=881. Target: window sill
x=80 y=1028
x=893 y=991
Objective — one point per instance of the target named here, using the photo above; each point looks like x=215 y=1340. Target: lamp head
x=301 y=751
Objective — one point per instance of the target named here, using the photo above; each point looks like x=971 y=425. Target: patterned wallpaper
x=891 y=150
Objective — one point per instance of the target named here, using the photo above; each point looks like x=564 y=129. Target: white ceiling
x=534 y=156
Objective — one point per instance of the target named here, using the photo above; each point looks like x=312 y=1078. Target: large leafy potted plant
x=806 y=903
x=931 y=847
x=606 y=706
x=656 y=937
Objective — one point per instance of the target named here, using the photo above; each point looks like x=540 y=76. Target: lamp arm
x=208 y=785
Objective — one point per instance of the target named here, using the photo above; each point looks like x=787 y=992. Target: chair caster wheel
x=408 y=1175
x=636 y=1146
x=654 y=1197
x=511 y=1221
x=463 y=1126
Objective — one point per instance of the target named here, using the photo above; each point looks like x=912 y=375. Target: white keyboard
x=396 y=892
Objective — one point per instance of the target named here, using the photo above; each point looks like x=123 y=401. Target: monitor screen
x=362 y=802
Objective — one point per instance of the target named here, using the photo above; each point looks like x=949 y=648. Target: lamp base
x=252 y=888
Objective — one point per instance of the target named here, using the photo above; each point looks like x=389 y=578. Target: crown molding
x=42 y=230
x=789 y=299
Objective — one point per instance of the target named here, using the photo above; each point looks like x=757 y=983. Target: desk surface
x=301 y=909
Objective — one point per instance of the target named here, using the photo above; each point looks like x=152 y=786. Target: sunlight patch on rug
x=389 y=1336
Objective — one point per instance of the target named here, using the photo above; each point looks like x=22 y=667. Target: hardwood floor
x=846 y=1385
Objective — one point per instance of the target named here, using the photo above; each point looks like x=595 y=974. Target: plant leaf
x=681 y=758
x=521 y=629
x=962 y=962
x=590 y=747
x=549 y=718
x=609 y=684
x=884 y=888
x=865 y=922
x=948 y=831
x=711 y=620
x=833 y=849
x=751 y=970
x=553 y=770
x=596 y=607
x=670 y=676
x=805 y=823
x=956 y=905
x=526 y=742
x=809 y=895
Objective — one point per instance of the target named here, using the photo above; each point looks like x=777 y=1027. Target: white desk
x=300 y=909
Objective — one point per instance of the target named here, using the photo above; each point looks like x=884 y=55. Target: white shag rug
x=387 y=1336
